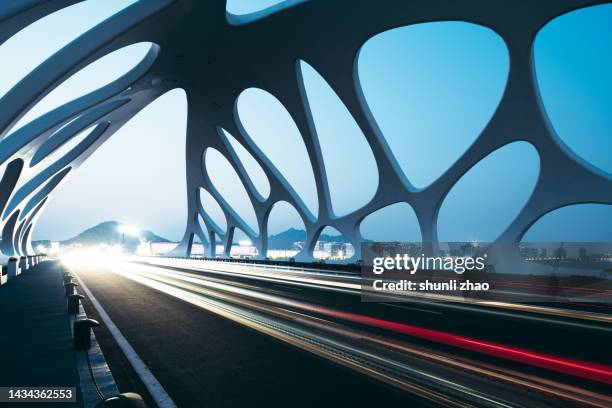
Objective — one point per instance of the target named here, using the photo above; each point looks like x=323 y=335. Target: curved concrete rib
x=215 y=56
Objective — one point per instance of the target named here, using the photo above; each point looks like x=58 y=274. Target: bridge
x=214 y=331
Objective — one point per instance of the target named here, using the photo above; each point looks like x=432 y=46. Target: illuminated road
x=222 y=336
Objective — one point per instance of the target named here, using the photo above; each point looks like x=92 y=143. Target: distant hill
x=286 y=239
x=107 y=233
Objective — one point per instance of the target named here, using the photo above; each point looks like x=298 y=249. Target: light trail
x=570 y=393
x=587 y=370
x=352 y=284
x=250 y=319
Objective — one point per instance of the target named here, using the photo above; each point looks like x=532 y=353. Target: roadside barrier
x=69 y=286
x=23 y=263
x=82 y=333
x=4 y=275
x=73 y=303
x=13 y=267
x=125 y=400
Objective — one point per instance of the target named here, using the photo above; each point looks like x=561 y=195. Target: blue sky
x=431 y=87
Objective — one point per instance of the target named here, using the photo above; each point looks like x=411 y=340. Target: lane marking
x=159 y=394
x=593 y=371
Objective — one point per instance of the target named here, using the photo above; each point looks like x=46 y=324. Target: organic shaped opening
x=483 y=203
x=333 y=246
x=67 y=146
x=286 y=232
x=393 y=223
x=246 y=11
x=35 y=43
x=97 y=74
x=273 y=130
x=66 y=133
x=350 y=167
x=242 y=246
x=43 y=191
x=574 y=223
x=250 y=6
x=227 y=182
x=200 y=220
x=253 y=169
x=26 y=245
x=203 y=228
x=197 y=248
x=573 y=64
x=139 y=173
x=213 y=210
x=432 y=88
x=219 y=247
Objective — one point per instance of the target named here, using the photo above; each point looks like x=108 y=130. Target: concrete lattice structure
x=214 y=56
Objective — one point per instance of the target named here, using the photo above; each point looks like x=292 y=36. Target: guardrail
x=348 y=270
x=333 y=269
x=15 y=266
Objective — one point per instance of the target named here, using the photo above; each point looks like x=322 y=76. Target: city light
x=95 y=255
x=144 y=249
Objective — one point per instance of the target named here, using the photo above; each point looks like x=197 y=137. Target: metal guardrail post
x=73 y=303
x=82 y=333
x=125 y=400
x=69 y=286
x=67 y=277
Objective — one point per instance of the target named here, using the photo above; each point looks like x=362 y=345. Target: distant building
x=560 y=253
x=282 y=253
x=244 y=251
x=528 y=252
x=333 y=250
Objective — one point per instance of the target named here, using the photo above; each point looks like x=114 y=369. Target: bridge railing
x=352 y=270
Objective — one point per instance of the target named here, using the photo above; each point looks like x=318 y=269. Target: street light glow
x=129 y=230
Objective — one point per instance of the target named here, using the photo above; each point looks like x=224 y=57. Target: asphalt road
x=204 y=360
x=200 y=332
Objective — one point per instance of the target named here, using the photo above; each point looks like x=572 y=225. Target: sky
x=431 y=88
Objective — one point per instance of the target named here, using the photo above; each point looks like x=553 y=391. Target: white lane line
x=159 y=394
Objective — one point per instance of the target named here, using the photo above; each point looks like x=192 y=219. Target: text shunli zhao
x=404 y=263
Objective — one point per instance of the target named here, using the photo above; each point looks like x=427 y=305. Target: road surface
x=224 y=339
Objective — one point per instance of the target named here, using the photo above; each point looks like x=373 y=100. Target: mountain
x=108 y=233
x=286 y=239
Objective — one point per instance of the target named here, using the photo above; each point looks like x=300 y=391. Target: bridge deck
x=35 y=338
